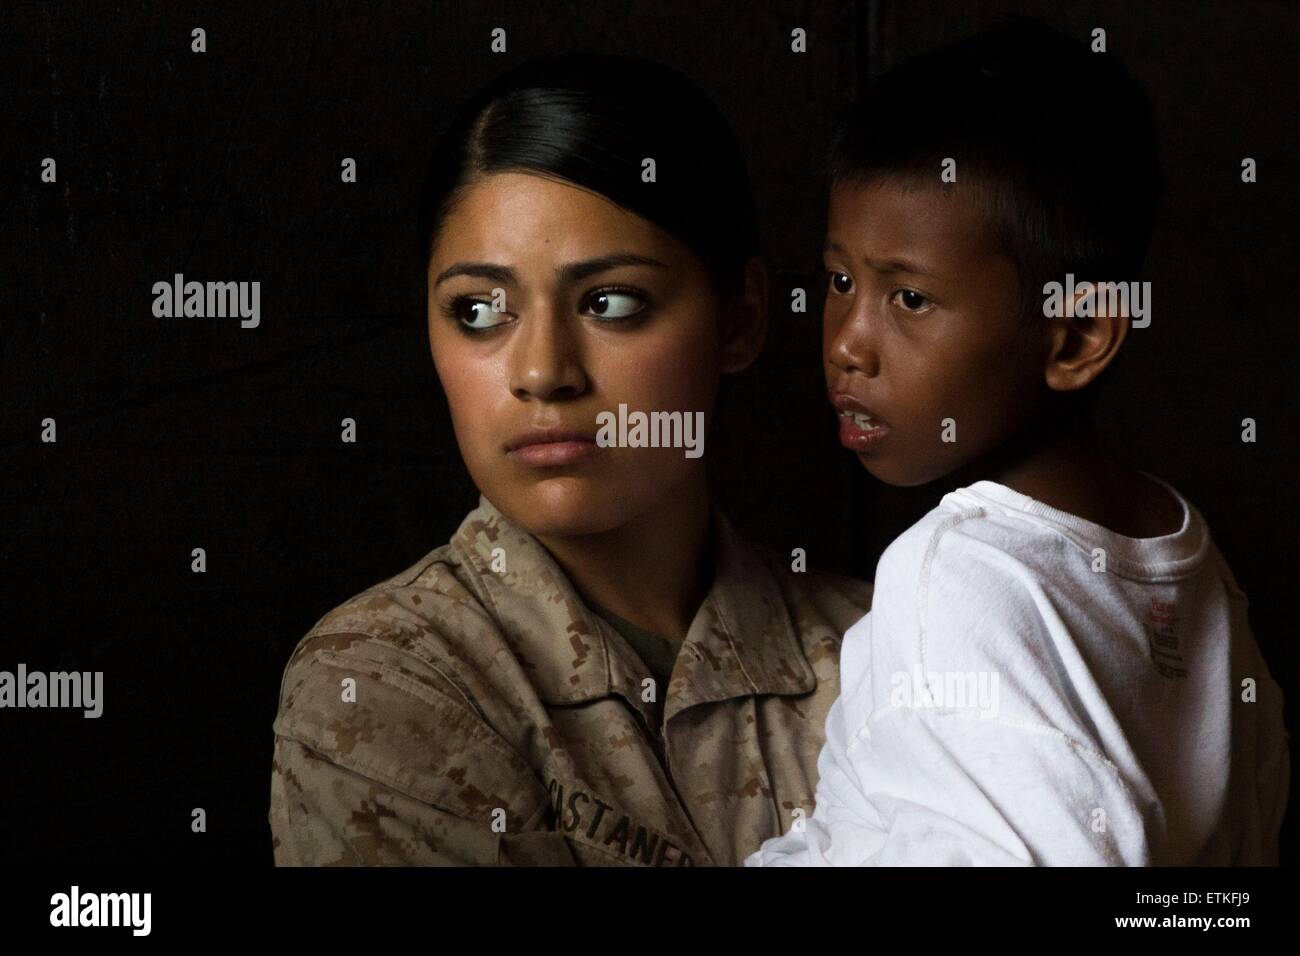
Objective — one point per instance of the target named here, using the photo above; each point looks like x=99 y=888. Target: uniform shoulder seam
x=399 y=680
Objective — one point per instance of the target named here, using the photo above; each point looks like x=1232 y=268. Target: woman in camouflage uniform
x=595 y=669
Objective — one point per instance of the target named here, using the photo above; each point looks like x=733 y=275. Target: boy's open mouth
x=863 y=421
x=861 y=432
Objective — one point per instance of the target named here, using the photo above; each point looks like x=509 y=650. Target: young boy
x=1057 y=668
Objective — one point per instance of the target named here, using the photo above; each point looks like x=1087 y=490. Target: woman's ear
x=1081 y=346
x=744 y=320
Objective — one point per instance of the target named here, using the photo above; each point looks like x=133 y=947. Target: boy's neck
x=1065 y=468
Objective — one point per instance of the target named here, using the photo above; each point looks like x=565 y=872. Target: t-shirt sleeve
x=378 y=759
x=1008 y=778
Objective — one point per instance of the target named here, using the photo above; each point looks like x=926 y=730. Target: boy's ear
x=744 y=321
x=1081 y=346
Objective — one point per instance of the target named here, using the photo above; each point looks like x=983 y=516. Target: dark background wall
x=183 y=433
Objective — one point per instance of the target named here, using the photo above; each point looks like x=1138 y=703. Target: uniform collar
x=741 y=641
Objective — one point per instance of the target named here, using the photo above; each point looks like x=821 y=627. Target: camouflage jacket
x=456 y=714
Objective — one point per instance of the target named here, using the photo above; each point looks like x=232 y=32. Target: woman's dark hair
x=592 y=120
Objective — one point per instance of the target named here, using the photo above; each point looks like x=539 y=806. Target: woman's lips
x=551 y=447
x=552 y=453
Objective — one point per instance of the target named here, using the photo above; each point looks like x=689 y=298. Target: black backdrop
x=182 y=433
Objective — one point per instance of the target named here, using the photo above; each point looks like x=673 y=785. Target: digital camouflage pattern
x=495 y=719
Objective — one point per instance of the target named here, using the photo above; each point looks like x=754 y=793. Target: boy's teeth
x=862 y=421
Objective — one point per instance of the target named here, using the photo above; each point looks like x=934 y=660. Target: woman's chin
x=561 y=507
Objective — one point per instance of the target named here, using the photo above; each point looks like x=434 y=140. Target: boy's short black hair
x=1056 y=142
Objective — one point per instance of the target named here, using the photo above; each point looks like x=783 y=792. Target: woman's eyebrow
x=479 y=270
x=576 y=271
x=571 y=272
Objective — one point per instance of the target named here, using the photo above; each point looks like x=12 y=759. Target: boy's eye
x=614 y=304
x=840 y=282
x=911 y=301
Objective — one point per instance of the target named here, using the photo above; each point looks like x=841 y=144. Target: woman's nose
x=546 y=363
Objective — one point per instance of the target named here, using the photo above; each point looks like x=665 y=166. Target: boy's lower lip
x=859 y=439
x=553 y=453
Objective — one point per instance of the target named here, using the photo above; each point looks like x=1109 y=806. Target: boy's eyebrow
x=570 y=272
x=886 y=265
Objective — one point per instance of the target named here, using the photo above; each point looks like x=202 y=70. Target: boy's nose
x=851 y=345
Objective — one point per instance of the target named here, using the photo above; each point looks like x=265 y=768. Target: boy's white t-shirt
x=1008 y=702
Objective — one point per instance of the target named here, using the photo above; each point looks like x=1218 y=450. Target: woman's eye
x=613 y=304
x=476 y=314
x=840 y=282
x=911 y=301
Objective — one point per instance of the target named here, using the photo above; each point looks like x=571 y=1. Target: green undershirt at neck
x=658 y=653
